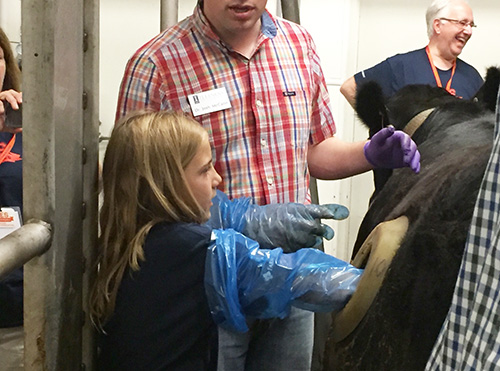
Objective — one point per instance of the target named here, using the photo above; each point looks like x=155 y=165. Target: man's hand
x=390 y=149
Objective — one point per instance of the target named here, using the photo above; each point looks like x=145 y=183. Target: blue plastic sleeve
x=226 y=213
x=243 y=280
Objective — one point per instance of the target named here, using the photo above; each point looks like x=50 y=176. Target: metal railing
x=20 y=246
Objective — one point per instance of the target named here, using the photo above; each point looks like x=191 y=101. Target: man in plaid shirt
x=470 y=336
x=255 y=83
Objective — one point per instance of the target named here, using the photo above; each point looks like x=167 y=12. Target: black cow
x=455 y=140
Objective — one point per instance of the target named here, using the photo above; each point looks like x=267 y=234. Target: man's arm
x=336 y=159
x=348 y=90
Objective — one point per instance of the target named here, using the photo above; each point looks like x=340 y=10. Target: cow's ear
x=487 y=94
x=370 y=106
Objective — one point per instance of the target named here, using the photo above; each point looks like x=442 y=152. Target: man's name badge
x=10 y=220
x=209 y=101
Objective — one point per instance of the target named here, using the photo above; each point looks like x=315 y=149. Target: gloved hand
x=392 y=149
x=291 y=226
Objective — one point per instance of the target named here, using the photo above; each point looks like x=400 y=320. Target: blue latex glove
x=243 y=280
x=291 y=226
x=392 y=149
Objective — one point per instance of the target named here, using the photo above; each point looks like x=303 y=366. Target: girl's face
x=202 y=177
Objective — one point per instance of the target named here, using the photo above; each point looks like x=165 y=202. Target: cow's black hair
x=488 y=92
x=455 y=141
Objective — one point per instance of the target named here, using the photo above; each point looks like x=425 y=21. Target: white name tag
x=209 y=101
x=10 y=220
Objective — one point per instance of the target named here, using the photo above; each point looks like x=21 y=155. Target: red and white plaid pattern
x=279 y=101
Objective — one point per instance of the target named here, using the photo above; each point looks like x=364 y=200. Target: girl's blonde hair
x=143 y=184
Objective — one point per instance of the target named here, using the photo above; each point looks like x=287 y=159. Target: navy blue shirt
x=11 y=194
x=162 y=320
x=414 y=68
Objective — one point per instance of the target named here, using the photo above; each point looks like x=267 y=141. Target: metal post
x=169 y=13
x=290 y=10
x=90 y=170
x=20 y=246
x=53 y=99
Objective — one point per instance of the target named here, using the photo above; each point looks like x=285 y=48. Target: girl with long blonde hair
x=149 y=246
x=165 y=276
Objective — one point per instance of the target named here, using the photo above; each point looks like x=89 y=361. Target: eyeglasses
x=461 y=23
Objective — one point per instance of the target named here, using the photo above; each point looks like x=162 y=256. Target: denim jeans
x=270 y=345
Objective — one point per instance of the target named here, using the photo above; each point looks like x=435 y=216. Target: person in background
x=449 y=27
x=470 y=335
x=11 y=194
x=162 y=269
x=255 y=83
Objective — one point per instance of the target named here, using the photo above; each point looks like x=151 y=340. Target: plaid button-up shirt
x=279 y=101
x=470 y=337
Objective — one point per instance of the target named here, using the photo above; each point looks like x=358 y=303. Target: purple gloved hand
x=392 y=149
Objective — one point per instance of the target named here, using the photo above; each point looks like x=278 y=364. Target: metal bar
x=90 y=171
x=169 y=13
x=20 y=246
x=290 y=10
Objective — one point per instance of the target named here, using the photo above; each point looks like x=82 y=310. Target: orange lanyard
x=436 y=75
x=7 y=148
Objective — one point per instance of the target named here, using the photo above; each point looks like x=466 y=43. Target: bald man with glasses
x=449 y=27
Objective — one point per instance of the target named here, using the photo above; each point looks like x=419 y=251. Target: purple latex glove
x=392 y=149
